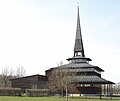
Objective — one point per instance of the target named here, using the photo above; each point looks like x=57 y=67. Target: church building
x=88 y=77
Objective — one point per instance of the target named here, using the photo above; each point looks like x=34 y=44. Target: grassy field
x=8 y=98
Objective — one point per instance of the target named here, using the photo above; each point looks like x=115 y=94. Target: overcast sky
x=38 y=34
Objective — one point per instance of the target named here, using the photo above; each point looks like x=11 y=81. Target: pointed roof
x=78 y=41
x=91 y=79
x=78 y=47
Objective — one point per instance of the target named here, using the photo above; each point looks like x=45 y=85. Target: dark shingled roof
x=79 y=57
x=81 y=66
x=91 y=79
x=37 y=75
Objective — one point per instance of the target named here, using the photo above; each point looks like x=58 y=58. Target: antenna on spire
x=78 y=7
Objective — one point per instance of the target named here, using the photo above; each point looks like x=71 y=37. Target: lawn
x=8 y=98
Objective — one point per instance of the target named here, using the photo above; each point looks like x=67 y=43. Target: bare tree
x=60 y=63
x=6 y=75
x=61 y=79
x=20 y=71
x=116 y=89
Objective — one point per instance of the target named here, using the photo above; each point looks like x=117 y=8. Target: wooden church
x=88 y=78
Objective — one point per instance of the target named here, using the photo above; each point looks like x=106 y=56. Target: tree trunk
x=66 y=94
x=62 y=92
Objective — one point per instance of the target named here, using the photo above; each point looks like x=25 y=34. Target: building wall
x=30 y=82
x=89 y=90
x=42 y=85
x=25 y=82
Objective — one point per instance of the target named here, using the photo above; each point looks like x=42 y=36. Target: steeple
x=78 y=48
x=79 y=55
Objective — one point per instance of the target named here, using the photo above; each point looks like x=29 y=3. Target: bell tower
x=79 y=55
x=78 y=47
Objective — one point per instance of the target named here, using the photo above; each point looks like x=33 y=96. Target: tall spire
x=79 y=56
x=78 y=48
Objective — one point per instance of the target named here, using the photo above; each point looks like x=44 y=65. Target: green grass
x=10 y=98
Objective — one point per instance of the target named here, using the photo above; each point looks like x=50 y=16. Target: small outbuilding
x=30 y=82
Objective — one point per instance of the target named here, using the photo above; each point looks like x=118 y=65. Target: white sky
x=38 y=34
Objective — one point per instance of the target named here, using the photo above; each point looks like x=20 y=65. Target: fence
x=37 y=92
x=10 y=91
x=20 y=92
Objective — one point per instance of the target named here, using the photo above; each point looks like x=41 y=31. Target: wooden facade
x=88 y=77
x=30 y=82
